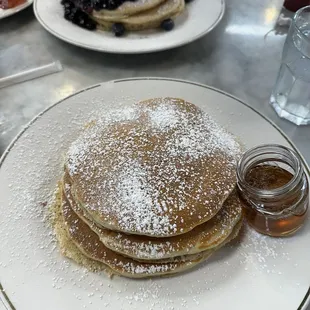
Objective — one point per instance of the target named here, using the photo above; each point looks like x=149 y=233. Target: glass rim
x=296 y=15
x=278 y=191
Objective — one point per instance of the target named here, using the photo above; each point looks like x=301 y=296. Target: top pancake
x=129 y=8
x=159 y=169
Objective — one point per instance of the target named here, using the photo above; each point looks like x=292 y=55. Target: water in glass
x=291 y=94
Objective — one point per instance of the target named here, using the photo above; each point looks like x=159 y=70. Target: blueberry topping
x=77 y=15
x=102 y=4
x=167 y=24
x=78 y=11
x=118 y=29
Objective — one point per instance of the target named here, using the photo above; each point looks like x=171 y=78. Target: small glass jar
x=274 y=190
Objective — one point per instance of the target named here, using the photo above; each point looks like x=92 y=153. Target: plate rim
x=128 y=52
x=17 y=9
x=3 y=295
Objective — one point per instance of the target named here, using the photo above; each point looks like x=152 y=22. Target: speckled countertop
x=236 y=57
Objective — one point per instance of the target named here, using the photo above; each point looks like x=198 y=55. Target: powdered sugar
x=150 y=269
x=258 y=250
x=163 y=117
x=147 y=250
x=201 y=138
x=151 y=165
x=140 y=198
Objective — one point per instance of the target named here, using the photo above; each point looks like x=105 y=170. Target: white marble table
x=236 y=57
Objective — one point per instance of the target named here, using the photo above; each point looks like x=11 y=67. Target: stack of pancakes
x=140 y=14
x=149 y=190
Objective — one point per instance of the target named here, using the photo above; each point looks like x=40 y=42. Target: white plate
x=200 y=17
x=9 y=12
x=259 y=273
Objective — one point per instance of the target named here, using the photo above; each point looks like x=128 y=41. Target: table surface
x=238 y=57
x=241 y=56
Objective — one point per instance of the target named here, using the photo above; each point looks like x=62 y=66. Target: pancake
x=129 y=8
x=66 y=246
x=88 y=243
x=161 y=169
x=145 y=20
x=205 y=236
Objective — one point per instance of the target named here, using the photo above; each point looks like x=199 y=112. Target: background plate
x=200 y=17
x=255 y=273
x=9 y=12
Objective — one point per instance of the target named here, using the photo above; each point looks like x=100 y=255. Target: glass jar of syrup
x=274 y=190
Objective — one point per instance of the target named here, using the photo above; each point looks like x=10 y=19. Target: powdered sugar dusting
x=257 y=250
x=78 y=149
x=147 y=170
x=164 y=117
x=202 y=138
x=136 y=193
x=150 y=269
x=146 y=250
x=209 y=234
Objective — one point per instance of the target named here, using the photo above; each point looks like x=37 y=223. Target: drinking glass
x=291 y=94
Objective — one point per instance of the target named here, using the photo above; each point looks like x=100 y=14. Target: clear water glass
x=291 y=94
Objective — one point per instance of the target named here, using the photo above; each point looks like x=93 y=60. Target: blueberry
x=81 y=21
x=67 y=13
x=97 y=6
x=167 y=24
x=106 y=4
x=118 y=29
x=68 y=4
x=89 y=5
x=78 y=17
x=70 y=14
x=86 y=6
x=90 y=25
x=112 y=5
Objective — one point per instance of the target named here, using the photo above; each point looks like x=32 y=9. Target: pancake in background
x=144 y=20
x=128 y=8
